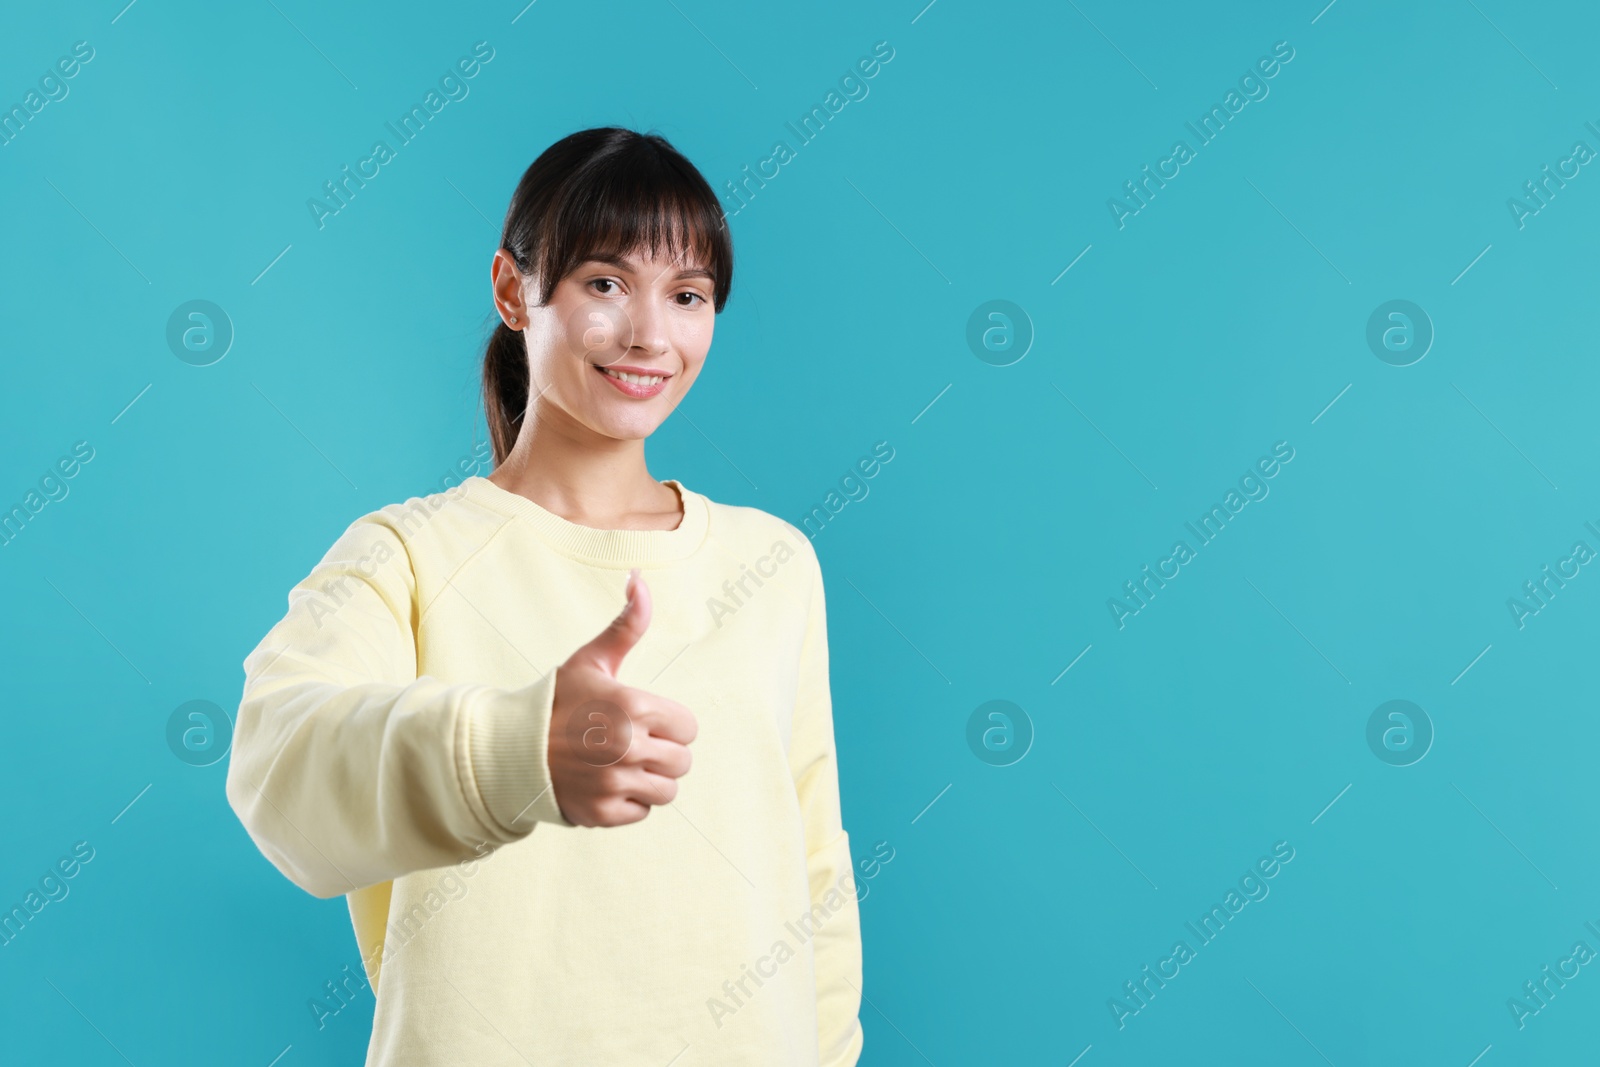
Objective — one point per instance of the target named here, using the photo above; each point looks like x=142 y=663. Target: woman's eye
x=692 y=298
x=603 y=281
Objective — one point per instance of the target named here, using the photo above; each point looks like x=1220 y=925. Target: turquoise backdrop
x=1369 y=271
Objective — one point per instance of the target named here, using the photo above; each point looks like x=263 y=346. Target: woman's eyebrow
x=613 y=260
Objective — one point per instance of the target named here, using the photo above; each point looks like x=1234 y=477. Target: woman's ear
x=507 y=283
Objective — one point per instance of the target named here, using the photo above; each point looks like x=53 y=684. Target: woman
x=455 y=728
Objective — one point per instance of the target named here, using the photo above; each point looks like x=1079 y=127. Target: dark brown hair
x=598 y=192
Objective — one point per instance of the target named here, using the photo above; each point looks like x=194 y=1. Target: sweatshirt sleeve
x=812 y=758
x=347 y=769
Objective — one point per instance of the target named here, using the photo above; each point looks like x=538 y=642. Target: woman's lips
x=637 y=391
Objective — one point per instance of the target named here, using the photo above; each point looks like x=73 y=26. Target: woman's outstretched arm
x=347 y=769
x=812 y=758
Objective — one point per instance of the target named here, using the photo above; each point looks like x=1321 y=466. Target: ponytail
x=505 y=388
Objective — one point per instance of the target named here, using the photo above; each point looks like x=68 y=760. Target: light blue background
x=1223 y=318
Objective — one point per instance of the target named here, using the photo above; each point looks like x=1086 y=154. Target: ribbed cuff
x=509 y=742
x=852 y=1051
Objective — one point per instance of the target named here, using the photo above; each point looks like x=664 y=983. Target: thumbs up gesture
x=614 y=750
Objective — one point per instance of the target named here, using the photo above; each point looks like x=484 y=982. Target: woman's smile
x=641 y=383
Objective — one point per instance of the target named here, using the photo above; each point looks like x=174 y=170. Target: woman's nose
x=649 y=326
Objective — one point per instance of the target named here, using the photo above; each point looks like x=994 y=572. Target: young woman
x=454 y=727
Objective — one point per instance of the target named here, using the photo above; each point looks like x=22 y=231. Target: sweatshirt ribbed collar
x=611 y=548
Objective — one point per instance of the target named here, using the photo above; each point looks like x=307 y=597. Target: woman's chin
x=629 y=425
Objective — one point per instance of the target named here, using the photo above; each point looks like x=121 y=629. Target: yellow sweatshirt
x=390 y=747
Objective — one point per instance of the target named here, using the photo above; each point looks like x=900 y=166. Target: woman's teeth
x=635 y=379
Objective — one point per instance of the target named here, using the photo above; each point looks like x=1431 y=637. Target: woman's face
x=620 y=341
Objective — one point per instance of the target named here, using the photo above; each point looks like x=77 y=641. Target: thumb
x=622 y=633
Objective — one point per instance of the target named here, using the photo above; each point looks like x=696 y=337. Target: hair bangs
x=636 y=202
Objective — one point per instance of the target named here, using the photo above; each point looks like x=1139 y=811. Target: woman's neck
x=601 y=483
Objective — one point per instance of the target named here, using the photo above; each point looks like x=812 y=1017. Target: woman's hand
x=614 y=750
